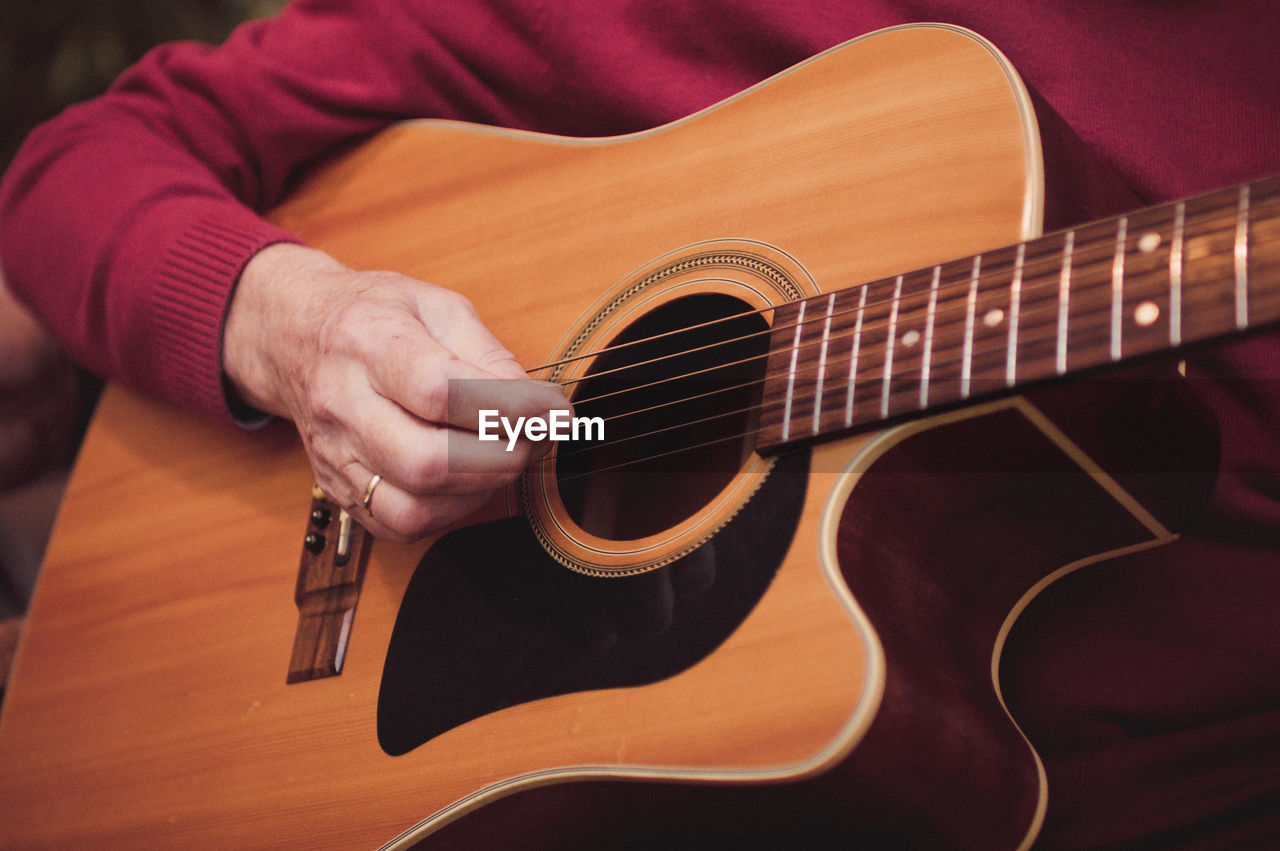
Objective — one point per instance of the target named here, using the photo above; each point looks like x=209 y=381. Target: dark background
x=56 y=52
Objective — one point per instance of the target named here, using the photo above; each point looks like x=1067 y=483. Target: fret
x=1117 y=288
x=1241 y=255
x=822 y=364
x=1147 y=293
x=992 y=296
x=1041 y=334
x=1207 y=276
x=926 y=357
x=907 y=369
x=1262 y=252
x=773 y=424
x=927 y=353
x=970 y=313
x=1175 y=275
x=1142 y=283
x=791 y=375
x=853 y=357
x=1064 y=300
x=874 y=351
x=1094 y=303
x=1015 y=306
x=889 y=347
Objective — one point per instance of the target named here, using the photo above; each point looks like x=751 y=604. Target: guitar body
x=835 y=670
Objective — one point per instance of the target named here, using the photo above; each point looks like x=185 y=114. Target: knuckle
x=350 y=473
x=425 y=471
x=456 y=304
x=406 y=522
x=325 y=399
x=433 y=392
x=319 y=454
x=341 y=329
x=361 y=325
x=447 y=309
x=396 y=536
x=499 y=356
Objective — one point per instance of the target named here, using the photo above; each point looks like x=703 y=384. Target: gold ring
x=368 y=493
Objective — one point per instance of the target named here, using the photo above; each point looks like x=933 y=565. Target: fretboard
x=1106 y=292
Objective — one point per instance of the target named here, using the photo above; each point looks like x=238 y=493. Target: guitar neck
x=1109 y=291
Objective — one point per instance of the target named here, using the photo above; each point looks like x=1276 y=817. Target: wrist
x=264 y=329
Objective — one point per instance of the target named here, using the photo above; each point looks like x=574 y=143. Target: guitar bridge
x=335 y=551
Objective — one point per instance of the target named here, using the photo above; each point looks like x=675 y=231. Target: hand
x=362 y=363
x=38 y=397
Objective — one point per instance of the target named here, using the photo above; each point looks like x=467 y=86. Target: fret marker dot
x=993 y=317
x=1148 y=242
x=911 y=338
x=1146 y=313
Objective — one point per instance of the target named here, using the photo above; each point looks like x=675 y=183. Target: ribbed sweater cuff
x=193 y=289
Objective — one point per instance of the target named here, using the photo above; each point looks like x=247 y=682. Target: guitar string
x=954 y=315
x=1106 y=239
x=1099 y=307
x=1049 y=261
x=1050 y=268
x=1032 y=338
x=844 y=334
x=734 y=436
x=910 y=391
x=868 y=329
x=1097 y=234
x=1046 y=284
x=744 y=314
x=1049 y=286
x=855 y=426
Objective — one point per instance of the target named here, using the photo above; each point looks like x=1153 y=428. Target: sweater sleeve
x=125 y=221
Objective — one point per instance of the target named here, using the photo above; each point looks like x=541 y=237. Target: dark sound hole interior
x=678 y=393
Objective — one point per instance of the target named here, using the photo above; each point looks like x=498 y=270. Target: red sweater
x=125 y=222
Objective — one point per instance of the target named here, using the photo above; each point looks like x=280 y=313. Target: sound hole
x=677 y=391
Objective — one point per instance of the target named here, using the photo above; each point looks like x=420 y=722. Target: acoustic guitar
x=743 y=615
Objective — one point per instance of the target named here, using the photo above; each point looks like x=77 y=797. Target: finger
x=473 y=400
x=430 y=382
x=427 y=350
x=450 y=318
x=424 y=458
x=394 y=514
x=410 y=367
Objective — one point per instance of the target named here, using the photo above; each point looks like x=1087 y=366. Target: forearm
x=277 y=310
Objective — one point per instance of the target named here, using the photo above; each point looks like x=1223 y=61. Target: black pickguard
x=490 y=620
